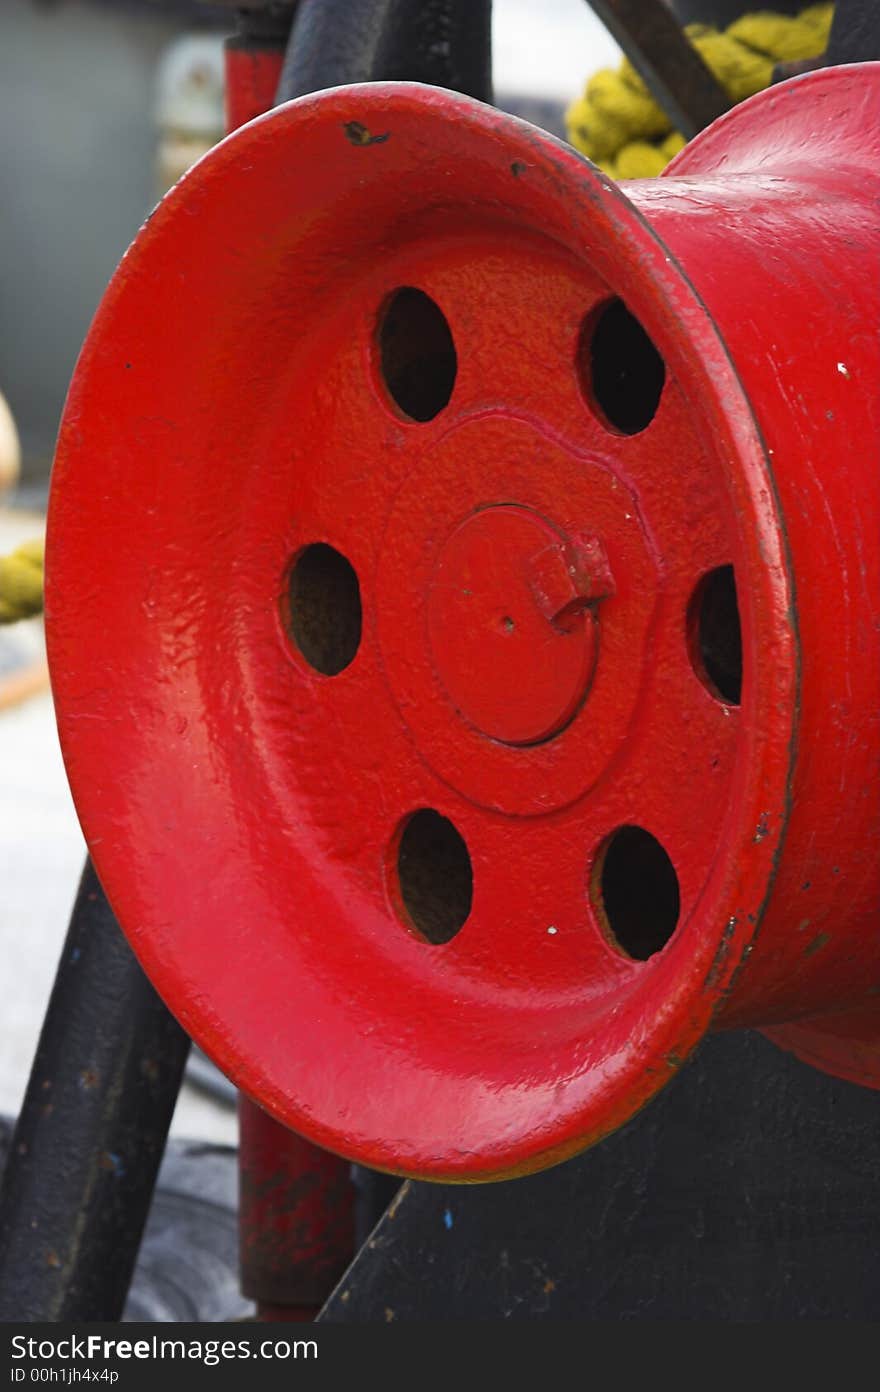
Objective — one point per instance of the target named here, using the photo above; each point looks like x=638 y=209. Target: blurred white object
x=10 y=449
x=189 y=103
x=548 y=48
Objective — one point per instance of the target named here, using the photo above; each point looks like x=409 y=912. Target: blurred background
x=89 y=90
x=103 y=104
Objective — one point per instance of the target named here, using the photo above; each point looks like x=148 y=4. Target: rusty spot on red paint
x=720 y=957
x=358 y=134
x=820 y=941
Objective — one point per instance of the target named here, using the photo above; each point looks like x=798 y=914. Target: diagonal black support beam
x=658 y=49
x=88 y=1143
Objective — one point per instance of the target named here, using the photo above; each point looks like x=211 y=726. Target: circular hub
x=584 y=588
x=511 y=628
x=396 y=736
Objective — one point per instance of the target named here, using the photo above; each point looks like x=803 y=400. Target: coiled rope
x=21 y=582
x=619 y=125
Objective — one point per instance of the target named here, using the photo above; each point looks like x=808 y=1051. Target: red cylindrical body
x=780 y=238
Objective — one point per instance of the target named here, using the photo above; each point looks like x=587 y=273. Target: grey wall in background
x=77 y=147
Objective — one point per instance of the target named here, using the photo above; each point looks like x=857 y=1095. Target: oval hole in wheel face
x=323 y=608
x=417 y=358
x=636 y=892
x=434 y=876
x=715 y=635
x=619 y=369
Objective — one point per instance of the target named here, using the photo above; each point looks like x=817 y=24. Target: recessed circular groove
x=619 y=368
x=418 y=361
x=715 y=635
x=434 y=875
x=635 y=889
x=323 y=608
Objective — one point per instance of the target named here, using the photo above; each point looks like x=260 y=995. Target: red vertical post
x=296 y=1218
x=254 y=57
x=296 y=1201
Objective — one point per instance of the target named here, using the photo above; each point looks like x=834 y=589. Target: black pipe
x=87 y=1146
x=267 y=27
x=447 y=43
x=855 y=32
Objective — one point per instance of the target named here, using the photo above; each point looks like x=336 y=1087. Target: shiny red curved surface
x=233 y=407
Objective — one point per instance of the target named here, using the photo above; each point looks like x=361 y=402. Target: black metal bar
x=446 y=43
x=88 y=1143
x=654 y=42
x=855 y=33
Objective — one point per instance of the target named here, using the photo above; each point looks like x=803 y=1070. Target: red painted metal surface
x=296 y=1218
x=241 y=399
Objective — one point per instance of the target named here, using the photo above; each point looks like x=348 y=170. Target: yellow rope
x=619 y=125
x=21 y=582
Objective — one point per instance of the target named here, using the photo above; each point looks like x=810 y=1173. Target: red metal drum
x=463 y=612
